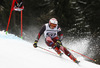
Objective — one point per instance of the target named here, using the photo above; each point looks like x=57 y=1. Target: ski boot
x=60 y=54
x=74 y=59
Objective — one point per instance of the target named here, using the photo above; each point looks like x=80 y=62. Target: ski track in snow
x=17 y=53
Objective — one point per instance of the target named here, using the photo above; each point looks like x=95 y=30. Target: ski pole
x=47 y=50
x=82 y=55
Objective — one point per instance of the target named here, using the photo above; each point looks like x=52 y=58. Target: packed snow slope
x=17 y=53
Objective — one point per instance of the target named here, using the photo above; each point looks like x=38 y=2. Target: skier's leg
x=57 y=47
x=58 y=51
x=68 y=53
x=51 y=43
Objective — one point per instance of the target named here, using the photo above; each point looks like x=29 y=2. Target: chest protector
x=50 y=32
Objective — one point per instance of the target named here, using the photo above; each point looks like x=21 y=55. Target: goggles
x=53 y=25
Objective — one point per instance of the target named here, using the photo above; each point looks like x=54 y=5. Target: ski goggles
x=53 y=25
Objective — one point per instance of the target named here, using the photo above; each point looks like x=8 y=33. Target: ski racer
x=53 y=37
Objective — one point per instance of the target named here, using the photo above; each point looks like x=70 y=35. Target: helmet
x=53 y=21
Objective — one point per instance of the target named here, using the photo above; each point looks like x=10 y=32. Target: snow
x=18 y=53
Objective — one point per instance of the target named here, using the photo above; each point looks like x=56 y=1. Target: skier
x=18 y=5
x=53 y=37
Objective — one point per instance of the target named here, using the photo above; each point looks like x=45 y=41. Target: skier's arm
x=41 y=32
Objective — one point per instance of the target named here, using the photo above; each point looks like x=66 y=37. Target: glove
x=58 y=43
x=35 y=43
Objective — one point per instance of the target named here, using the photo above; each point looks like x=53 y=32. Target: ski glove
x=58 y=43
x=35 y=43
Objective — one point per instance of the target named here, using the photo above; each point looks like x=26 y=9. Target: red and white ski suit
x=51 y=37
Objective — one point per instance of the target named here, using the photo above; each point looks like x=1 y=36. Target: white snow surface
x=18 y=53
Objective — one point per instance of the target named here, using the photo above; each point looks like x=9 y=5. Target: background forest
x=77 y=18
